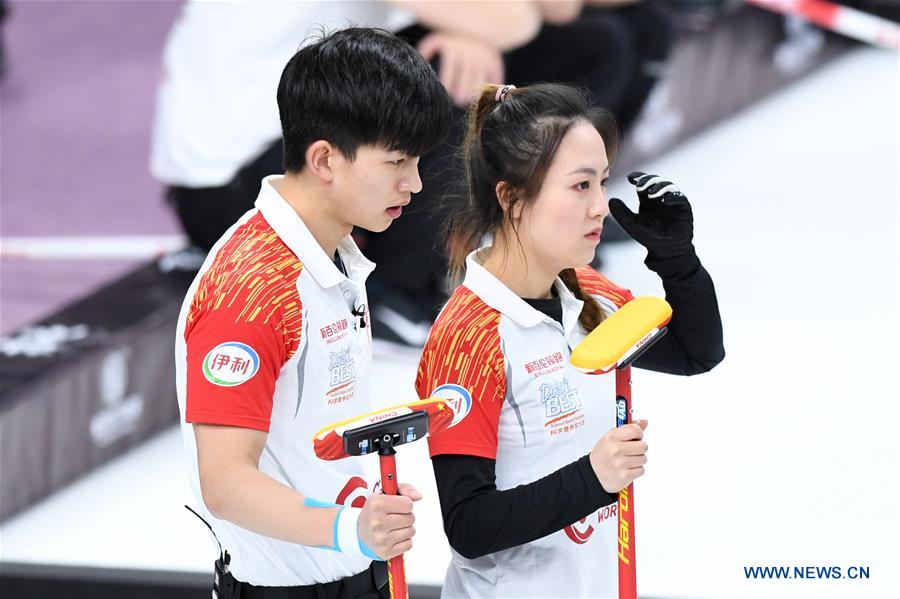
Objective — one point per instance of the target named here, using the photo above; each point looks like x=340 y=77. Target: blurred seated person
x=614 y=48
x=217 y=131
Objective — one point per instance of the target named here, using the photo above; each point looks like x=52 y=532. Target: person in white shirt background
x=216 y=132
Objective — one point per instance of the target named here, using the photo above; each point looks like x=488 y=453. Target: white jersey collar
x=297 y=236
x=501 y=298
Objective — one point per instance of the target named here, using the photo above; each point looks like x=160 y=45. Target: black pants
x=371 y=583
x=606 y=51
x=206 y=213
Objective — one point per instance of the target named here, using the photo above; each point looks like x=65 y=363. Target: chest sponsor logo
x=335 y=331
x=545 y=365
x=342 y=373
x=230 y=364
x=340 y=364
x=562 y=407
x=559 y=398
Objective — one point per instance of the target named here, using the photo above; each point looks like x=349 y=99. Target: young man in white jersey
x=273 y=341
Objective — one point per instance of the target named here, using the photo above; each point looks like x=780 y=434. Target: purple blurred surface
x=76 y=112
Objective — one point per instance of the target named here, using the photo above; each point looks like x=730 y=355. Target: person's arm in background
x=559 y=12
x=464 y=63
x=521 y=19
x=465 y=42
x=609 y=3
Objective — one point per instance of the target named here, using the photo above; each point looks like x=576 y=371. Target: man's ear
x=507 y=196
x=319 y=155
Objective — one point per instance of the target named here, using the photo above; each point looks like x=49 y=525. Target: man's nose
x=412 y=182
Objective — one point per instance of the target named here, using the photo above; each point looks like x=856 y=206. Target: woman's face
x=561 y=227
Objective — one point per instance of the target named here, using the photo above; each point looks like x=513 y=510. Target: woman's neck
x=525 y=275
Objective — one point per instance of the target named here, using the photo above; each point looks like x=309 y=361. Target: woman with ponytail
x=528 y=477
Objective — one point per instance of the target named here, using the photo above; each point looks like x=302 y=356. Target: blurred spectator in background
x=614 y=48
x=217 y=131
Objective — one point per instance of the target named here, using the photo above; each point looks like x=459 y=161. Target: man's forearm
x=254 y=501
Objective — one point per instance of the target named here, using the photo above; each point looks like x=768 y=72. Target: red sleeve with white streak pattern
x=594 y=283
x=244 y=323
x=463 y=358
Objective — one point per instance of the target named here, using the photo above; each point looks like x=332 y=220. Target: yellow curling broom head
x=622 y=335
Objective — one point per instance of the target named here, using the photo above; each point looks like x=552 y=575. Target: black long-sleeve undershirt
x=479 y=519
x=693 y=343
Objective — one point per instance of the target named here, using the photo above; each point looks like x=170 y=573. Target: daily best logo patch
x=231 y=363
x=459 y=398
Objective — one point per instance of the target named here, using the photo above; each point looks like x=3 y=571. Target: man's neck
x=313 y=204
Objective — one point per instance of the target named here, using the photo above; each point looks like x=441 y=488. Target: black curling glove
x=664 y=223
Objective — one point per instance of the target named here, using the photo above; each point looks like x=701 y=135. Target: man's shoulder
x=255 y=246
x=253 y=276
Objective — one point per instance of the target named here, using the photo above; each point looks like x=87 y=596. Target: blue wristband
x=310 y=502
x=344 y=531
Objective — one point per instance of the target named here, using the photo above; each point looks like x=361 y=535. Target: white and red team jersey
x=532 y=412
x=266 y=340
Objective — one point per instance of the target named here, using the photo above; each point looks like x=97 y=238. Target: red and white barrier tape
x=840 y=19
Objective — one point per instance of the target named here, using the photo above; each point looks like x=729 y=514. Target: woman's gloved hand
x=664 y=223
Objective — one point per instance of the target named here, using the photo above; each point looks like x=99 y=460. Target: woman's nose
x=600 y=206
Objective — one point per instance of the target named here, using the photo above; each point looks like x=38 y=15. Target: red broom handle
x=396 y=569
x=627 y=571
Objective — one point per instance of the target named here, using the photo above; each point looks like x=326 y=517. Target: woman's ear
x=508 y=199
x=319 y=155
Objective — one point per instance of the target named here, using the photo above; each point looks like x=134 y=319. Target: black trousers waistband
x=371 y=583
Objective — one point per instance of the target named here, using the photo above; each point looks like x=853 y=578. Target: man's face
x=370 y=191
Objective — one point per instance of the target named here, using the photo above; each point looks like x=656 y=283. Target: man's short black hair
x=360 y=86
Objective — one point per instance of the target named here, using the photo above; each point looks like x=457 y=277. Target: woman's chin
x=586 y=258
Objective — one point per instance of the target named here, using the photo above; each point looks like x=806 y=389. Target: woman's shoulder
x=466 y=318
x=594 y=283
x=464 y=345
